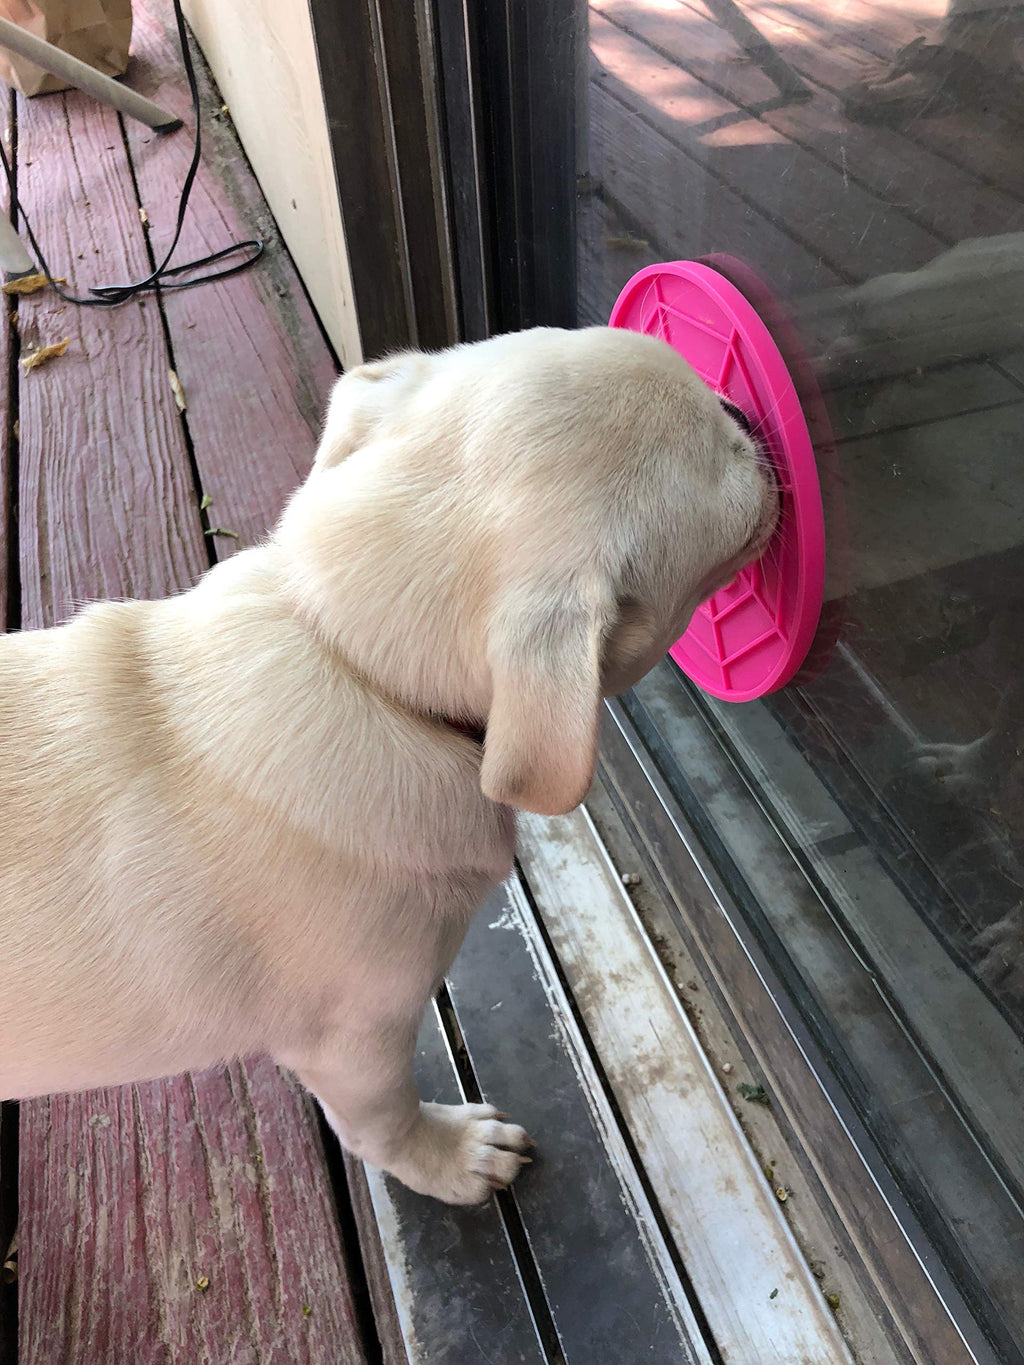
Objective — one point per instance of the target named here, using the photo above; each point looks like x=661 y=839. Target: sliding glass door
x=856 y=168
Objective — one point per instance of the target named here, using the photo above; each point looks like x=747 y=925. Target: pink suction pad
x=751 y=637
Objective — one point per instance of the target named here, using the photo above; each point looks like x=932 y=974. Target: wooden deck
x=129 y=1200
x=209 y=1217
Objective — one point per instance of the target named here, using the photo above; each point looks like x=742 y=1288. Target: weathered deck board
x=426 y=1248
x=679 y=1115
x=181 y=1222
x=164 y=1185
x=107 y=507
x=583 y=1191
x=831 y=216
x=249 y=351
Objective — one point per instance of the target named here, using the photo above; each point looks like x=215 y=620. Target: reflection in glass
x=864 y=158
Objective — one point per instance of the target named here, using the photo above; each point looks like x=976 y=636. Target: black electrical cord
x=109 y=295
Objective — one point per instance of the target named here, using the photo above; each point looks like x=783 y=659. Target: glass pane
x=864 y=159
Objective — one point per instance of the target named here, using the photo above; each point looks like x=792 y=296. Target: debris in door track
x=756 y=1094
x=39 y=355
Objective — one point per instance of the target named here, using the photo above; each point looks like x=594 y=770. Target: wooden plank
x=161 y=1193
x=224 y=1246
x=452 y=1276
x=249 y=352
x=375 y=1266
x=916 y=182
x=675 y=209
x=866 y=1324
x=582 y=1191
x=107 y=507
x=265 y=62
x=948 y=199
x=760 y=1298
x=853 y=231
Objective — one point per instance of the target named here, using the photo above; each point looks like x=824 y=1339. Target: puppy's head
x=528 y=523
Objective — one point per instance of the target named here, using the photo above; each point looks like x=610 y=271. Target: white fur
x=229 y=822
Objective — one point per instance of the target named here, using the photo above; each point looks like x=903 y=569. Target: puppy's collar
x=469 y=729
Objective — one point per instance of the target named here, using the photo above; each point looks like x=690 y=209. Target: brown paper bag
x=96 y=31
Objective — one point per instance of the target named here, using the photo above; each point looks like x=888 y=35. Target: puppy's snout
x=771 y=499
x=767 y=491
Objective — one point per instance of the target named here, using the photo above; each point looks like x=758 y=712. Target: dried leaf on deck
x=205 y=502
x=179 y=392
x=39 y=355
x=143 y=217
x=30 y=284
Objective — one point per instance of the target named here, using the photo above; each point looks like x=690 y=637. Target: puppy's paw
x=460 y=1153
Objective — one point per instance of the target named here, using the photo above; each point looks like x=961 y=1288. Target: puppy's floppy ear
x=545 y=657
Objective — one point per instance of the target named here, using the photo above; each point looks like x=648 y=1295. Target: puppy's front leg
x=456 y=1152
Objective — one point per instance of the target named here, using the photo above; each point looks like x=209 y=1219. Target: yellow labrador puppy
x=255 y=817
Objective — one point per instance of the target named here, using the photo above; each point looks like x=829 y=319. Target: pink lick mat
x=751 y=637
